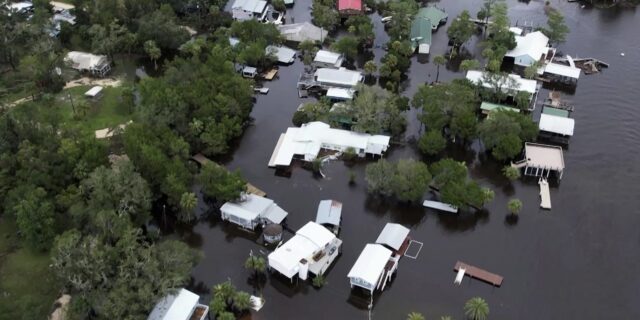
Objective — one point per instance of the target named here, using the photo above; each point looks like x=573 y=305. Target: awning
x=340 y=93
x=329 y=212
x=275 y=214
x=555 y=124
x=393 y=235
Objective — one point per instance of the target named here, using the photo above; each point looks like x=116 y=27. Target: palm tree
x=467 y=65
x=225 y=291
x=255 y=263
x=370 y=67
x=415 y=316
x=438 y=60
x=153 y=51
x=514 y=206
x=242 y=301
x=446 y=318
x=226 y=315
x=476 y=309
x=188 y=202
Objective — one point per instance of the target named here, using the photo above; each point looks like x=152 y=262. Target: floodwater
x=577 y=261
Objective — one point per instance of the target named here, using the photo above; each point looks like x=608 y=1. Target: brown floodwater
x=577 y=261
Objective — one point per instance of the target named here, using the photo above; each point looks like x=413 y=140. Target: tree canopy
x=451 y=178
x=461 y=29
x=504 y=133
x=404 y=180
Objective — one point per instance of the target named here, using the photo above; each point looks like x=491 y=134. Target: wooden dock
x=479 y=274
x=202 y=160
x=545 y=197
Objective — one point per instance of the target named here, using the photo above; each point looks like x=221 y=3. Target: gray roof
x=284 y=54
x=299 y=32
x=329 y=212
x=393 y=235
x=177 y=306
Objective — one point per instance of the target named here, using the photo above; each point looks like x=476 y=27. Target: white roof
x=18 y=6
x=275 y=214
x=249 y=208
x=93 y=91
x=555 y=124
x=84 y=60
x=256 y=6
x=307 y=241
x=284 y=54
x=532 y=44
x=329 y=57
x=175 y=307
x=393 y=235
x=329 y=212
x=516 y=30
x=544 y=156
x=521 y=84
x=340 y=93
x=440 y=206
x=58 y=6
x=233 y=41
x=308 y=140
x=370 y=264
x=299 y=32
x=562 y=70
x=340 y=76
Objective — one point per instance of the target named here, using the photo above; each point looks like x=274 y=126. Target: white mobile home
x=249 y=9
x=371 y=271
x=86 y=62
x=307 y=141
x=252 y=211
x=338 y=77
x=328 y=59
x=311 y=250
x=283 y=54
x=183 y=305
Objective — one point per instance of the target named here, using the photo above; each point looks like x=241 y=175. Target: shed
x=329 y=214
x=350 y=7
x=283 y=54
x=393 y=236
x=328 y=59
x=93 y=92
x=249 y=72
x=182 y=305
x=298 y=32
x=561 y=73
x=369 y=270
x=556 y=125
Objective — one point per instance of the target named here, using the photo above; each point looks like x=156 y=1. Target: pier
x=477 y=273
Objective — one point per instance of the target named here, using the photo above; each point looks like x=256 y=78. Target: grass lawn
x=105 y=111
x=27 y=287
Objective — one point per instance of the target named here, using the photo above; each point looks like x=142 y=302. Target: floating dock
x=477 y=273
x=545 y=197
x=440 y=206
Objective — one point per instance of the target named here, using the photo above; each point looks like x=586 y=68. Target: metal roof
x=256 y=6
x=393 y=235
x=340 y=93
x=299 y=32
x=370 y=264
x=520 y=83
x=555 y=124
x=329 y=212
x=487 y=106
x=532 y=44
x=350 y=5
x=283 y=54
x=339 y=77
x=328 y=57
x=562 y=70
x=420 y=31
x=175 y=306
x=433 y=14
x=555 y=112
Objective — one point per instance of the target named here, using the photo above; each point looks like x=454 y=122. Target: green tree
x=242 y=301
x=152 y=50
x=439 y=60
x=308 y=49
x=378 y=175
x=446 y=318
x=415 y=316
x=461 y=29
x=511 y=173
x=279 y=5
x=411 y=180
x=557 y=30
x=370 y=67
x=256 y=264
x=318 y=281
x=161 y=27
x=402 y=12
x=361 y=27
x=220 y=184
x=348 y=46
x=128 y=98
x=505 y=131
x=377 y=112
x=325 y=15
x=476 y=309
x=450 y=177
x=514 y=206
x=432 y=142
x=467 y=65
x=226 y=315
x=35 y=219
x=188 y=202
